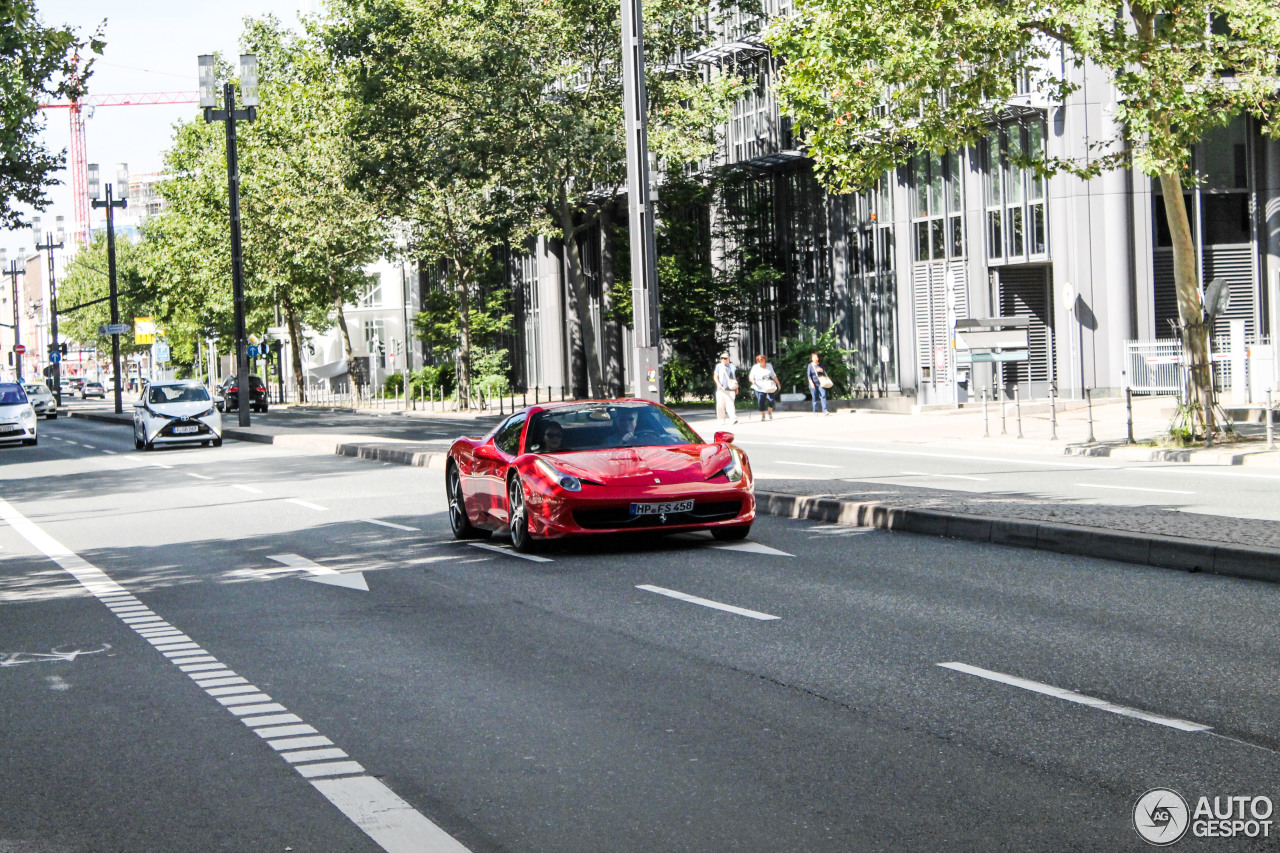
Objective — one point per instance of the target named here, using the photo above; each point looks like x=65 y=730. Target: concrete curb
x=1145 y=549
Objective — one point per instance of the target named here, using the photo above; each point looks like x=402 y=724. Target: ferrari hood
x=690 y=463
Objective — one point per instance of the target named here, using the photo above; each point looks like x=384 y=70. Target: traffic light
x=63 y=349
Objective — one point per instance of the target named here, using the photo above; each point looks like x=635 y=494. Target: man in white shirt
x=726 y=390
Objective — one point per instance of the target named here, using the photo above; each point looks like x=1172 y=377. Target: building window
x=937 y=218
x=374 y=331
x=372 y=295
x=1016 y=224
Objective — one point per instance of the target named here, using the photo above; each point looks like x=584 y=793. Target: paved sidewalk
x=1149 y=535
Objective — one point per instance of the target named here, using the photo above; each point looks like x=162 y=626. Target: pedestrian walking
x=726 y=380
x=764 y=382
x=819 y=382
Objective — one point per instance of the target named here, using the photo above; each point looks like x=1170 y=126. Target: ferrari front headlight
x=733 y=471
x=568 y=482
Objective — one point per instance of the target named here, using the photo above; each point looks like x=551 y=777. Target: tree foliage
x=519 y=101
x=38 y=64
x=871 y=81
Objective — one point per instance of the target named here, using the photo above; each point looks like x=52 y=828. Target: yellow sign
x=144 y=330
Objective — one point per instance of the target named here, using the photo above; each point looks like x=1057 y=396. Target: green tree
x=37 y=64
x=526 y=97
x=871 y=81
x=84 y=288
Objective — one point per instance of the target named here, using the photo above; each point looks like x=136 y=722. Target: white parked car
x=17 y=417
x=41 y=399
x=173 y=412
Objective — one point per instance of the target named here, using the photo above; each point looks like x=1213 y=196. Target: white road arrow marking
x=510 y=553
x=751 y=548
x=322 y=574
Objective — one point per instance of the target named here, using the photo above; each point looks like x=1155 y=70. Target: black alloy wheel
x=458 y=521
x=730 y=534
x=518 y=517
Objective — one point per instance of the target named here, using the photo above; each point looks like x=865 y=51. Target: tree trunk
x=295 y=345
x=1194 y=330
x=578 y=284
x=346 y=343
x=463 y=365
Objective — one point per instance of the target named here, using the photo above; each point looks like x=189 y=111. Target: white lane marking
x=1078 y=698
x=159 y=465
x=321 y=574
x=88 y=446
x=250 y=489
x=706 y=602
x=917 y=453
x=806 y=464
x=949 y=476
x=390 y=524
x=198 y=476
x=1134 y=489
x=112 y=452
x=313 y=755
x=498 y=549
x=307 y=504
x=386 y=818
x=750 y=548
x=372 y=806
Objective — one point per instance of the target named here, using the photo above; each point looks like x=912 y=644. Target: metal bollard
x=1053 y=414
x=1128 y=405
x=1004 y=427
x=1017 y=405
x=1271 y=439
x=986 y=425
x=537 y=394
x=1088 y=397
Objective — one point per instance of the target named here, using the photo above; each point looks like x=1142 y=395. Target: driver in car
x=625 y=424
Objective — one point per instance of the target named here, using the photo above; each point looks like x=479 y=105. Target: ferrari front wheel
x=518 y=517
x=458 y=521
x=731 y=534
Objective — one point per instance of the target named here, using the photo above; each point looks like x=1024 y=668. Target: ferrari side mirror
x=724 y=438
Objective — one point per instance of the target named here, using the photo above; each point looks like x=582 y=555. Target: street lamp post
x=644 y=270
x=55 y=350
x=230 y=115
x=13 y=272
x=122 y=177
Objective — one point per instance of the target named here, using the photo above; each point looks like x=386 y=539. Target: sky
x=151 y=46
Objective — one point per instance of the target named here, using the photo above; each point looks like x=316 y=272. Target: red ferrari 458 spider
x=605 y=466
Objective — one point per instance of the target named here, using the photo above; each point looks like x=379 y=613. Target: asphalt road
x=582 y=701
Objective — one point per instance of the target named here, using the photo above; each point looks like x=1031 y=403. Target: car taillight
x=233 y=389
x=263 y=390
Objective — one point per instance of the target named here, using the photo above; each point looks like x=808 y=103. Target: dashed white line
x=533 y=558
x=112 y=452
x=1078 y=698
x=1134 y=489
x=949 y=476
x=372 y=806
x=307 y=504
x=198 y=476
x=806 y=464
x=250 y=489
x=390 y=524
x=706 y=602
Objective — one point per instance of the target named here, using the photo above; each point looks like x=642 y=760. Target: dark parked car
x=230 y=392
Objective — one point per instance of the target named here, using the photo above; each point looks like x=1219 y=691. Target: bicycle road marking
x=366 y=801
x=54 y=654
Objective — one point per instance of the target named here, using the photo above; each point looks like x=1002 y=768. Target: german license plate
x=185 y=429
x=662 y=508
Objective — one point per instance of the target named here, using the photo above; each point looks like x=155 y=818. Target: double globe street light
x=110 y=203
x=56 y=350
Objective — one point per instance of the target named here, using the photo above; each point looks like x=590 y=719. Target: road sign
x=114 y=329
x=253 y=351
x=162 y=353
x=55 y=357
x=19 y=348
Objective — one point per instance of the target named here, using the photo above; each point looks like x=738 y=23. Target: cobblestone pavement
x=1143 y=519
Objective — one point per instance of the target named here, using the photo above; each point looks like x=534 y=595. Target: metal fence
x=1154 y=367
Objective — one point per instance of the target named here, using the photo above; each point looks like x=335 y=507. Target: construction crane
x=79 y=157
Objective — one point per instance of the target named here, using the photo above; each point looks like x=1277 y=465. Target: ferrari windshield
x=604 y=426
